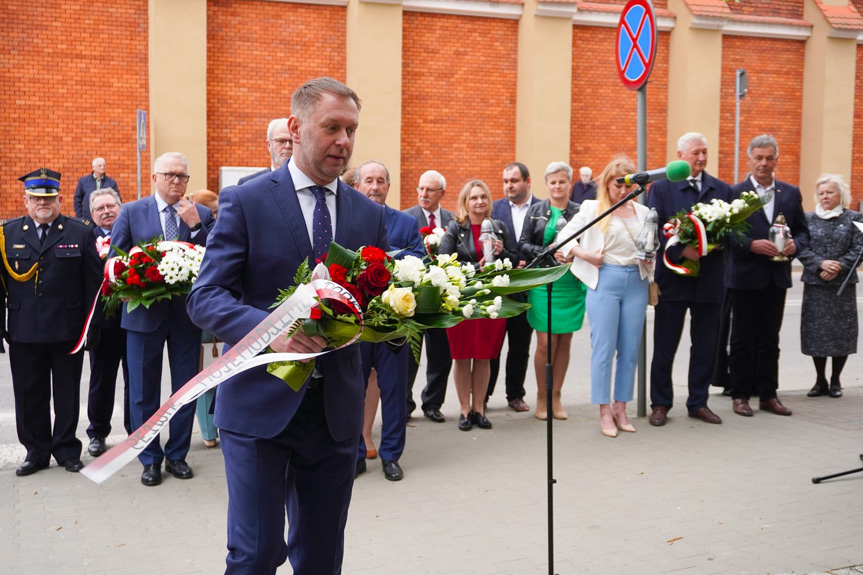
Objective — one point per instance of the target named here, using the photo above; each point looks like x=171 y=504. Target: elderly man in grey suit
x=429 y=213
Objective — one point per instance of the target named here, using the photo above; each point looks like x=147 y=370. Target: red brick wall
x=258 y=53
x=857 y=151
x=604 y=112
x=458 y=100
x=72 y=75
x=773 y=105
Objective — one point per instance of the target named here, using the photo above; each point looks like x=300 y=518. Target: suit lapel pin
x=26 y=227
x=59 y=226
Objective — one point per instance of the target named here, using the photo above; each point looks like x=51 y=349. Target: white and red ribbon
x=672 y=230
x=238 y=359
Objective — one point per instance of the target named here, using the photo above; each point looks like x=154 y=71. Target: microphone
x=676 y=171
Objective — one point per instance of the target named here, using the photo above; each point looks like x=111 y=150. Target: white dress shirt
x=518 y=213
x=761 y=191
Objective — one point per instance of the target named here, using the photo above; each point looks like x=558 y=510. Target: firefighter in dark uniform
x=50 y=275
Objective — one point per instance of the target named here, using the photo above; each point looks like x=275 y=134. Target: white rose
x=401 y=300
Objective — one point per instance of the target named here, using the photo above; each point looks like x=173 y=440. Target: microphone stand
x=548 y=255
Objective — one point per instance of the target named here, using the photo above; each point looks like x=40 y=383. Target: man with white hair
x=702 y=295
x=165 y=214
x=87 y=184
x=280 y=146
x=584 y=188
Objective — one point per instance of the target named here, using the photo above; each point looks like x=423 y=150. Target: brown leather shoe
x=518 y=405
x=774 y=406
x=741 y=407
x=659 y=416
x=705 y=415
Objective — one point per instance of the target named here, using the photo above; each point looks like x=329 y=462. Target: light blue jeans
x=616 y=310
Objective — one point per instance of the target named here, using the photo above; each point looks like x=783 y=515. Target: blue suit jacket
x=254 y=251
x=404 y=233
x=139 y=221
x=747 y=270
x=500 y=210
x=669 y=198
x=86 y=186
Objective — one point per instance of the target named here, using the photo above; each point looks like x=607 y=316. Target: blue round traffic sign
x=636 y=43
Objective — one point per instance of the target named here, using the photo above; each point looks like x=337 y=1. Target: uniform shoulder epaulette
x=83 y=221
x=4 y=222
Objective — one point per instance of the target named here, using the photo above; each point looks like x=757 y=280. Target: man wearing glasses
x=279 y=145
x=429 y=212
x=50 y=275
x=165 y=214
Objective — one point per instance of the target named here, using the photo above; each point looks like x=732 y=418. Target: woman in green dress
x=541 y=224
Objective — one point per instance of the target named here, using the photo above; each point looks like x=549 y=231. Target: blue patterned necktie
x=171 y=230
x=322 y=225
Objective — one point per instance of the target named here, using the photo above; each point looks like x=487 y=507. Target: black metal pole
x=549 y=386
x=853 y=270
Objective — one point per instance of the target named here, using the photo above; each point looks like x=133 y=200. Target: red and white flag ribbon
x=672 y=231
x=238 y=359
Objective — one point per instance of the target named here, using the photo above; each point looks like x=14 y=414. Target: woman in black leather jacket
x=475 y=342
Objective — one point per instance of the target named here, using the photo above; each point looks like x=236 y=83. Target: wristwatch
x=197 y=227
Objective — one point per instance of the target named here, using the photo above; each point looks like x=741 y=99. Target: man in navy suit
x=279 y=145
x=110 y=353
x=287 y=450
x=391 y=364
x=95 y=180
x=511 y=210
x=584 y=188
x=701 y=295
x=429 y=213
x=758 y=285
x=165 y=214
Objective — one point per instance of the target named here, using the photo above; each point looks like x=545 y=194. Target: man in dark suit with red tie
x=110 y=353
x=429 y=213
x=511 y=210
x=700 y=295
x=164 y=215
x=288 y=451
x=758 y=284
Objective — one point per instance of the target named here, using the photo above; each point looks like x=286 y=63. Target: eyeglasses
x=101 y=209
x=42 y=199
x=182 y=178
x=428 y=190
x=281 y=142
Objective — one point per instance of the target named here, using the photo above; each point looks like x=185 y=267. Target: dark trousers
x=754 y=357
x=437 y=371
x=144 y=353
x=303 y=470
x=518 y=333
x=40 y=371
x=667 y=329
x=105 y=360
x=721 y=377
x=392 y=370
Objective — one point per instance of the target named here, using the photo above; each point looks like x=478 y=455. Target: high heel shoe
x=627 y=427
x=612 y=432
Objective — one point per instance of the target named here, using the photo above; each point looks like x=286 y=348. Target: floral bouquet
x=103 y=246
x=150 y=273
x=706 y=226
x=431 y=239
x=397 y=299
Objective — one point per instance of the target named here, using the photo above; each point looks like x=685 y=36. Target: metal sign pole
x=140 y=141
x=642 y=166
x=740 y=89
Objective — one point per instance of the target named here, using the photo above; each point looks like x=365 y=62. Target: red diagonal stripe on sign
x=634 y=38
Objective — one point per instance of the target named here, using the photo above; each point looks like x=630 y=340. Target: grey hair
x=558 y=167
x=93 y=164
x=170 y=155
x=104 y=192
x=435 y=174
x=272 y=127
x=844 y=190
x=688 y=138
x=763 y=141
x=585 y=170
x=359 y=170
x=304 y=98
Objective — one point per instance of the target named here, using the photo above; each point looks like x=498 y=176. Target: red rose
x=372 y=255
x=106 y=289
x=374 y=280
x=134 y=280
x=315 y=313
x=426 y=231
x=153 y=274
x=338 y=273
x=341 y=308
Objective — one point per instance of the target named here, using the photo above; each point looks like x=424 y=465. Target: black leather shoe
x=361 y=467
x=835 y=390
x=480 y=420
x=29 y=468
x=179 y=469
x=464 y=422
x=392 y=470
x=72 y=464
x=434 y=414
x=152 y=475
x=820 y=388
x=97 y=446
